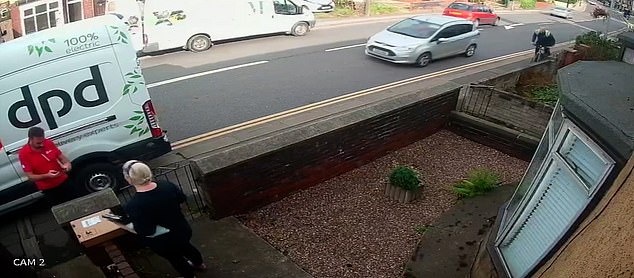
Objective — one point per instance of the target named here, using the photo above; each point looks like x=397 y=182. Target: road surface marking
x=277 y=116
x=507 y=27
x=178 y=79
x=280 y=115
x=345 y=47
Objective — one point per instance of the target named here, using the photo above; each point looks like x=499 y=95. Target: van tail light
x=150 y=115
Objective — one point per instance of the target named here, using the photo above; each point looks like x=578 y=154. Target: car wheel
x=98 y=176
x=423 y=60
x=496 y=22
x=470 y=50
x=299 y=29
x=199 y=43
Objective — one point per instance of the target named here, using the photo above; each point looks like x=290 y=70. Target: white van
x=196 y=24
x=82 y=83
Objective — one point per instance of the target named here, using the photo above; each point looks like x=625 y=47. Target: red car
x=478 y=13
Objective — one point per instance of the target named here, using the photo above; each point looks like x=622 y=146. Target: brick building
x=28 y=16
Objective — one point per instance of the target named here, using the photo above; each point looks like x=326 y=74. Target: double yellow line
x=294 y=111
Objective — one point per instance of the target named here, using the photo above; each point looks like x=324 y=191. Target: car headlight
x=406 y=48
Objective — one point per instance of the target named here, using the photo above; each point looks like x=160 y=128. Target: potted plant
x=404 y=184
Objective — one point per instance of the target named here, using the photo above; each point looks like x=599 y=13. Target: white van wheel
x=299 y=29
x=199 y=43
x=98 y=176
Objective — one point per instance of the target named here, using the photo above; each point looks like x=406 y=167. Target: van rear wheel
x=98 y=176
x=300 y=29
x=199 y=43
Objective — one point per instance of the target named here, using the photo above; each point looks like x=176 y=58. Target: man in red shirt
x=44 y=164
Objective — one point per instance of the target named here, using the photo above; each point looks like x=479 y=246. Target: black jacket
x=160 y=206
x=545 y=38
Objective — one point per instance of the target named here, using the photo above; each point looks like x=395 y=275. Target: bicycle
x=540 y=55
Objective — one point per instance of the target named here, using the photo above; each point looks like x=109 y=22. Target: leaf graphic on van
x=137 y=123
x=40 y=49
x=133 y=80
x=121 y=36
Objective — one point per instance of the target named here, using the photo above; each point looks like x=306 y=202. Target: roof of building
x=601 y=96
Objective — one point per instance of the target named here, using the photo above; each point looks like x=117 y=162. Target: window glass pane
x=40 y=8
x=582 y=160
x=460 y=6
x=74 y=12
x=28 y=12
x=557 y=119
x=42 y=22
x=29 y=25
x=52 y=19
x=53 y=5
x=414 y=28
x=525 y=184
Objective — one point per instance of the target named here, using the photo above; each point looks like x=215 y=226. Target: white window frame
x=81 y=3
x=550 y=134
x=528 y=202
x=31 y=6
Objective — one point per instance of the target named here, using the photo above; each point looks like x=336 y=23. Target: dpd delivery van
x=82 y=83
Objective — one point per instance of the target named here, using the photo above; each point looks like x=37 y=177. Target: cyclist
x=543 y=37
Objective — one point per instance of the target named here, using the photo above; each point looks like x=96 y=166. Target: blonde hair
x=137 y=172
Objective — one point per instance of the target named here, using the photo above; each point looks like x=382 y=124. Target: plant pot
x=399 y=194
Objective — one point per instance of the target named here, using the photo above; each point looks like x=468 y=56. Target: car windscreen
x=460 y=6
x=414 y=28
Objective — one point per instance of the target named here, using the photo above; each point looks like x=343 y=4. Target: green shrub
x=601 y=48
x=480 y=181
x=547 y=94
x=343 y=11
x=527 y=4
x=569 y=2
x=405 y=177
x=380 y=8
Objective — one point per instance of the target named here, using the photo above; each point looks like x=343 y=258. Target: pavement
x=450 y=245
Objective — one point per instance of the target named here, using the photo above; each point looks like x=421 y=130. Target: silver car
x=561 y=12
x=417 y=40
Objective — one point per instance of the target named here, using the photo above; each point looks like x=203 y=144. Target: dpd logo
x=67 y=102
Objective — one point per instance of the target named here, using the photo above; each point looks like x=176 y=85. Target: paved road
x=278 y=73
x=297 y=71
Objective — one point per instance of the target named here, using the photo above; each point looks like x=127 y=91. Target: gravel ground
x=346 y=227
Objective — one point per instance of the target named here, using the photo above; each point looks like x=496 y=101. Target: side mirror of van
x=3 y=33
x=300 y=10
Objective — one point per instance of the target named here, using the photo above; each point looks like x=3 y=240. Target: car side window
x=449 y=32
x=465 y=28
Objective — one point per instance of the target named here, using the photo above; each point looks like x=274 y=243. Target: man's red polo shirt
x=41 y=162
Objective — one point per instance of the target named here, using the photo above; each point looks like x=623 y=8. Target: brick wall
x=270 y=177
x=16 y=21
x=507 y=109
x=498 y=137
x=89 y=10
x=538 y=74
